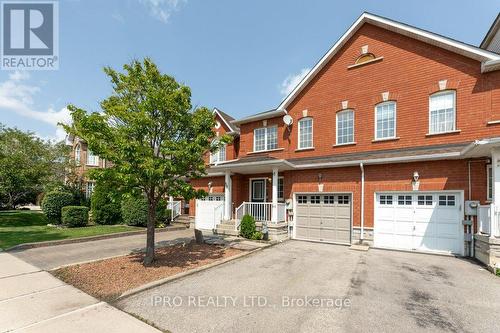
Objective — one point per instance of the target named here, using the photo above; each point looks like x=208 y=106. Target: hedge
x=75 y=216
x=135 y=211
x=105 y=207
x=53 y=202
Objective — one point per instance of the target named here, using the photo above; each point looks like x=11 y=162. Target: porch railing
x=175 y=209
x=488 y=219
x=218 y=214
x=260 y=211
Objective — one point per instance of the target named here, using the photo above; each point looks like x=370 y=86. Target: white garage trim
x=459 y=202
x=295 y=194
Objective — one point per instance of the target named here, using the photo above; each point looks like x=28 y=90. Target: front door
x=258 y=190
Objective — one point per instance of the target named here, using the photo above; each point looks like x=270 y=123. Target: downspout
x=362 y=232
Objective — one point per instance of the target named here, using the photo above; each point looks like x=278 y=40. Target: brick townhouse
x=392 y=139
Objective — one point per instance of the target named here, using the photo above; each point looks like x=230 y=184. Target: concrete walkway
x=32 y=300
x=50 y=257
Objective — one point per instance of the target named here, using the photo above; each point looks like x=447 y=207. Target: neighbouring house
x=392 y=139
x=84 y=161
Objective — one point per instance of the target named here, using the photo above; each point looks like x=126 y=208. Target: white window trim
x=96 y=161
x=218 y=154
x=282 y=199
x=444 y=92
x=488 y=175
x=78 y=153
x=312 y=133
x=87 y=194
x=337 y=128
x=395 y=121
x=265 y=139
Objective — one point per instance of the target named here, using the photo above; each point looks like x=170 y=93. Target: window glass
x=424 y=200
x=92 y=159
x=345 y=127
x=343 y=199
x=259 y=139
x=265 y=138
x=446 y=200
x=305 y=133
x=385 y=120
x=281 y=194
x=77 y=154
x=272 y=138
x=442 y=112
x=386 y=199
x=315 y=199
x=328 y=199
x=89 y=189
x=404 y=200
x=490 y=183
x=302 y=199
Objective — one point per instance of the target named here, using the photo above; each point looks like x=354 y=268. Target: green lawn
x=17 y=227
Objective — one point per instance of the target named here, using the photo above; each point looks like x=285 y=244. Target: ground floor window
x=89 y=189
x=489 y=187
x=281 y=189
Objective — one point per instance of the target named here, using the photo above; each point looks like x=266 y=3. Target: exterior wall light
x=415 y=184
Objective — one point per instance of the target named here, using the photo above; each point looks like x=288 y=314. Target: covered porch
x=487 y=237
x=255 y=189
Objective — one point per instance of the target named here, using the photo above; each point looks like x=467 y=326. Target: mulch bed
x=109 y=278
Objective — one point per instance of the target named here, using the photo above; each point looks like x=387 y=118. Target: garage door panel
x=323 y=219
x=427 y=222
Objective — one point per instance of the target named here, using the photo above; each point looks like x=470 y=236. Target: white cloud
x=16 y=95
x=292 y=80
x=162 y=9
x=118 y=17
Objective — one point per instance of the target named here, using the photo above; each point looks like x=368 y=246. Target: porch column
x=227 y=195
x=171 y=206
x=274 y=208
x=495 y=175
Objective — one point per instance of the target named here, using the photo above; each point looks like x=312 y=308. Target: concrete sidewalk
x=50 y=257
x=32 y=300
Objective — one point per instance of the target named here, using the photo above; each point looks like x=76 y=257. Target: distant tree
x=152 y=135
x=28 y=166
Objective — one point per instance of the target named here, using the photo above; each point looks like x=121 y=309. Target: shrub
x=105 y=205
x=257 y=235
x=135 y=211
x=162 y=213
x=247 y=227
x=75 y=216
x=53 y=202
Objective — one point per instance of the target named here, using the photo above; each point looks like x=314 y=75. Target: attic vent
x=365 y=58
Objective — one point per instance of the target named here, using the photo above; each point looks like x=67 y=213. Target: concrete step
x=227 y=232
x=225 y=227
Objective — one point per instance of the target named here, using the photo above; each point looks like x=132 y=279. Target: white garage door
x=429 y=222
x=209 y=211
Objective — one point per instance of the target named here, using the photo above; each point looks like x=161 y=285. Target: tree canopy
x=151 y=134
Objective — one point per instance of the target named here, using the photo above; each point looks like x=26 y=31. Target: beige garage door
x=323 y=218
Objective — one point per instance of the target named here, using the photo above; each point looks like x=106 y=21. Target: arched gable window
x=364 y=58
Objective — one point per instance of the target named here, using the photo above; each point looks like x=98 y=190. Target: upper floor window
x=265 y=138
x=345 y=127
x=78 y=152
x=442 y=112
x=92 y=159
x=305 y=133
x=219 y=155
x=385 y=120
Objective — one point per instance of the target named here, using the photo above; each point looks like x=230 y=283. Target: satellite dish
x=287 y=119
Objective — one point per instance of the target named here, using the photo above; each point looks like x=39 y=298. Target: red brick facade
x=410 y=71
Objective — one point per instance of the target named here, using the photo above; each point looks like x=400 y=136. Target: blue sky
x=241 y=56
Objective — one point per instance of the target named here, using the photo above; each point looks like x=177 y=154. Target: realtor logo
x=30 y=35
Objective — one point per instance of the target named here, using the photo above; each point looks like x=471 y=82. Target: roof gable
x=452 y=45
x=227 y=119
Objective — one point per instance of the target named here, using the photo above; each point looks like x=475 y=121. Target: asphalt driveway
x=51 y=257
x=310 y=287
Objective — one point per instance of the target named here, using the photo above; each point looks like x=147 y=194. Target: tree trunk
x=150 y=237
